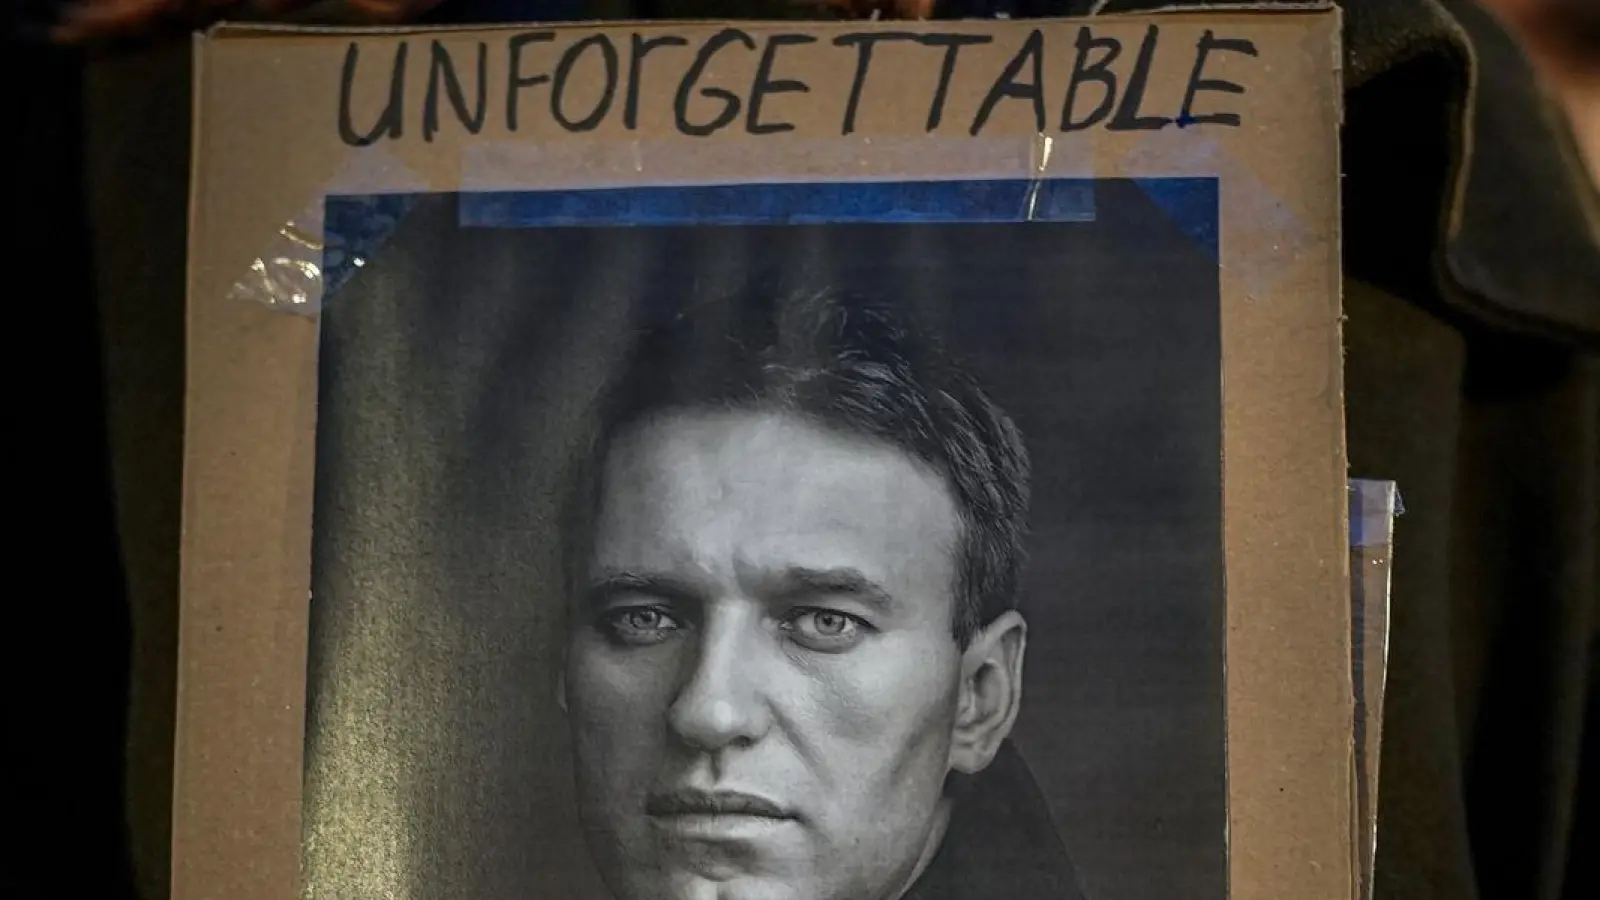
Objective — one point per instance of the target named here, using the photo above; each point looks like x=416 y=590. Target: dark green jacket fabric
x=1472 y=288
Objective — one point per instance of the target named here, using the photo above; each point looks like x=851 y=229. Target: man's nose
x=721 y=703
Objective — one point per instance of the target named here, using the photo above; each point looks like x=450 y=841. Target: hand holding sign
x=110 y=18
x=880 y=9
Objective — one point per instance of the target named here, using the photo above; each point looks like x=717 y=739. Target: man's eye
x=831 y=624
x=639 y=624
x=825 y=629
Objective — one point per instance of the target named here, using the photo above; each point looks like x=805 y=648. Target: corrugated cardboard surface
x=268 y=147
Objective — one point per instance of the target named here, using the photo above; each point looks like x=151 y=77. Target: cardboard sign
x=837 y=460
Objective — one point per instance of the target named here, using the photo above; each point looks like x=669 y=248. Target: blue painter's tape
x=357 y=225
x=930 y=202
x=1192 y=205
x=353 y=228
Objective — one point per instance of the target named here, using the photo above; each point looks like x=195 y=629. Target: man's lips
x=688 y=802
x=718 y=817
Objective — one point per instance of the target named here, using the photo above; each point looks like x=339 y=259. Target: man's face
x=761 y=678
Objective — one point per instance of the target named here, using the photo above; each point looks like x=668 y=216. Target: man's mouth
x=716 y=815
x=691 y=802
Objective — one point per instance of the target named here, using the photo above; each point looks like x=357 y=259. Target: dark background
x=455 y=366
x=1495 y=663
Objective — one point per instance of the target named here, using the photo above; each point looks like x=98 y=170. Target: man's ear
x=991 y=692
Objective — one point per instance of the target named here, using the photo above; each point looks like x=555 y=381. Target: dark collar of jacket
x=1001 y=843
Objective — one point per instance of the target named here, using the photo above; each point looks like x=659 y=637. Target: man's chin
x=716 y=882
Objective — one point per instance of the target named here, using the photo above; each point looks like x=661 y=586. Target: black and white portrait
x=773 y=542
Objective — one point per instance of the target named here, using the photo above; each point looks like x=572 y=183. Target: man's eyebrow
x=612 y=584
x=799 y=582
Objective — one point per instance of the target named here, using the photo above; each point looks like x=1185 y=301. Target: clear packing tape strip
x=1374 y=505
x=288 y=275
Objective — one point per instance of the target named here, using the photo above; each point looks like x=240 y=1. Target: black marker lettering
x=1007 y=86
x=641 y=47
x=518 y=81
x=1127 y=117
x=730 y=101
x=1083 y=70
x=952 y=44
x=1208 y=43
x=569 y=59
x=765 y=84
x=391 y=123
x=442 y=68
x=863 y=42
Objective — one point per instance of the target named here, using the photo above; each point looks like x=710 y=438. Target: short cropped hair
x=850 y=365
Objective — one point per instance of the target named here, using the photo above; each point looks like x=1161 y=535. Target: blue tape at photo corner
x=356 y=226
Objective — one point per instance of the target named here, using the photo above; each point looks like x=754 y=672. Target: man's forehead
x=777 y=451
x=773 y=491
